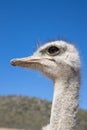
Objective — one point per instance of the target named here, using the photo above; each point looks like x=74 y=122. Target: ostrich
x=59 y=61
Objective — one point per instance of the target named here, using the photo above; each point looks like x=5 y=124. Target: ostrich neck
x=65 y=105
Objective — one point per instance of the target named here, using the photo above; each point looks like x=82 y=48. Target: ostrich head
x=56 y=59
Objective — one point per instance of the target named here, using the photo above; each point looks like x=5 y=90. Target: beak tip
x=12 y=62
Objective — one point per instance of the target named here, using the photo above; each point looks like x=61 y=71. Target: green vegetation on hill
x=29 y=113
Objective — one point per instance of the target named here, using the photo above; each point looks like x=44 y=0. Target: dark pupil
x=53 y=49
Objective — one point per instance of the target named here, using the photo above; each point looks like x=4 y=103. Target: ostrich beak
x=28 y=62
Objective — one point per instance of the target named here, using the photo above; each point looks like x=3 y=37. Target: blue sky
x=22 y=24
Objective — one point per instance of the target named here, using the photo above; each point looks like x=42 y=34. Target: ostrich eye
x=53 y=50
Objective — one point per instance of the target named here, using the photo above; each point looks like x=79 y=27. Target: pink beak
x=27 y=61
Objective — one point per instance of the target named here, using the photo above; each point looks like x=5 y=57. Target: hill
x=29 y=113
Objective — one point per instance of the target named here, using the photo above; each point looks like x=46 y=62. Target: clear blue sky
x=22 y=24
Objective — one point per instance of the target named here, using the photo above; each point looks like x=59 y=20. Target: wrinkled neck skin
x=65 y=104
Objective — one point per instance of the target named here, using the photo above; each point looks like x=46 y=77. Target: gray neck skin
x=65 y=105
